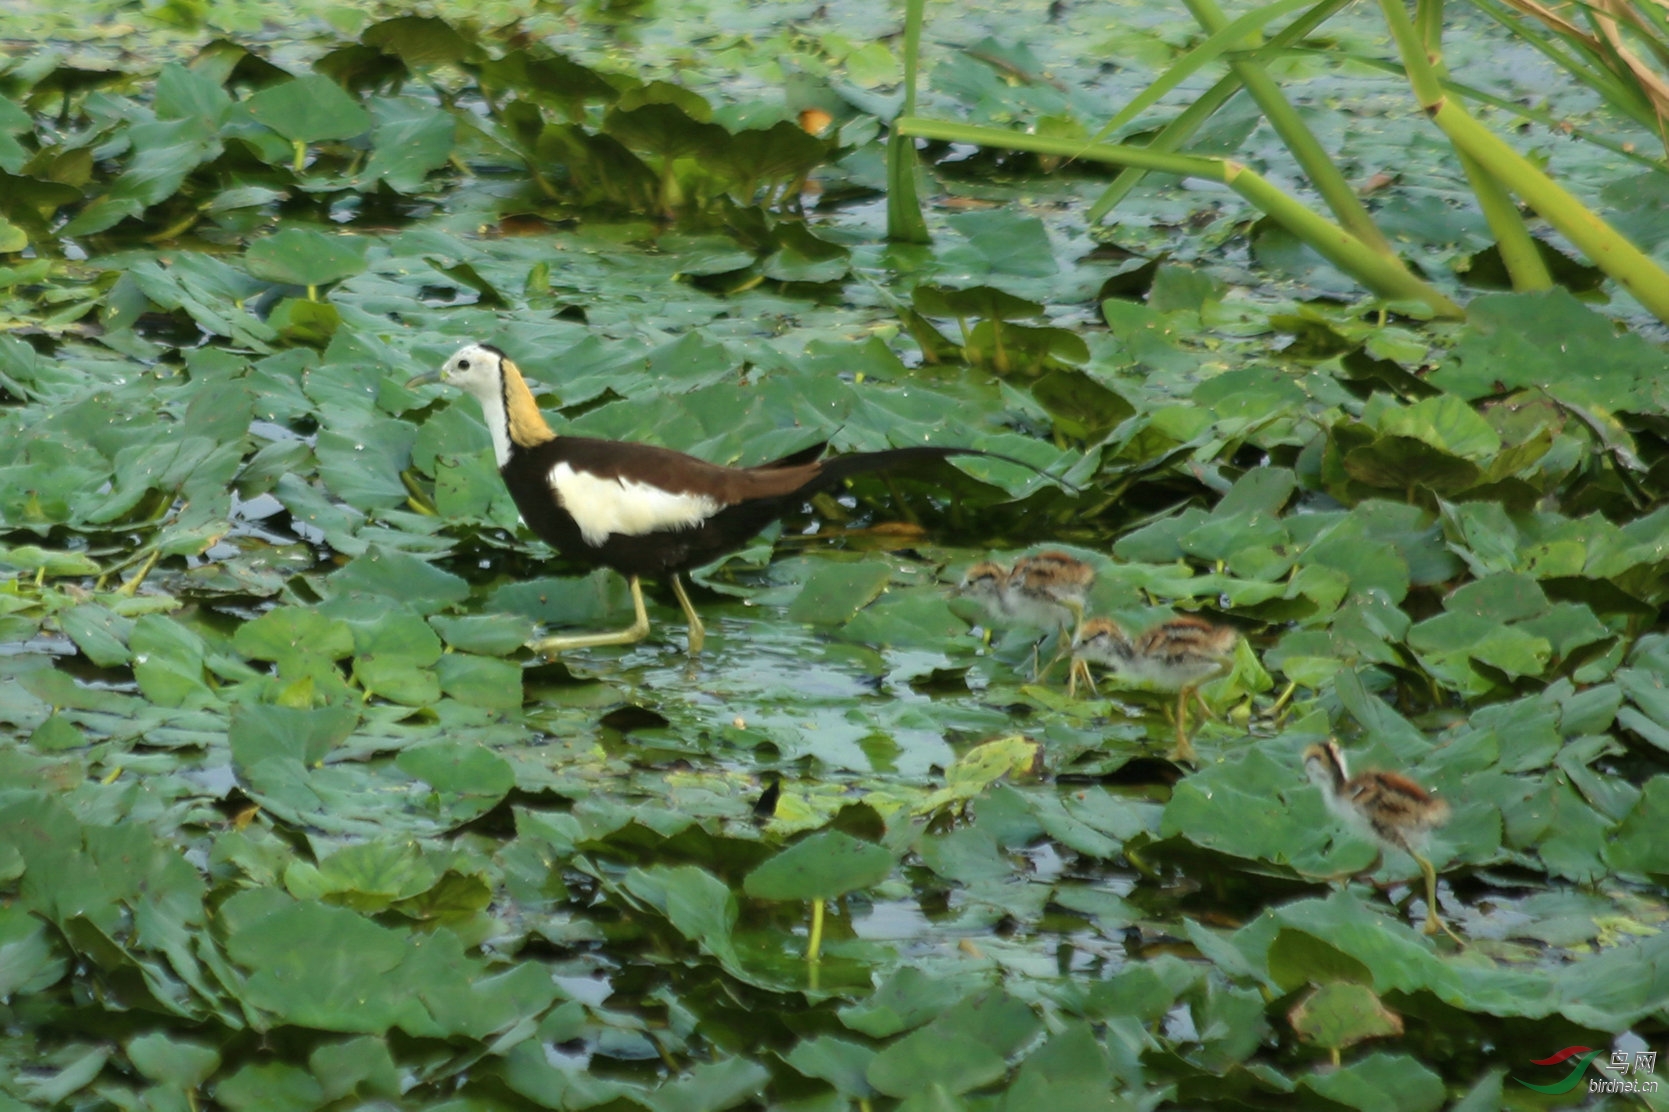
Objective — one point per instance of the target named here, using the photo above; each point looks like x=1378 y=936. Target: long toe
x=1080 y=670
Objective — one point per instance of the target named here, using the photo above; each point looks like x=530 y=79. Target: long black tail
x=836 y=468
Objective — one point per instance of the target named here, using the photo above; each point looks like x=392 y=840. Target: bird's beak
x=424 y=379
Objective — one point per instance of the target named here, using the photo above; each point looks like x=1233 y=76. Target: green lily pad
x=367 y=877
x=309 y=109
x=906 y=1000
x=1341 y=1014
x=487 y=634
x=1381 y=1083
x=963 y=1049
x=1635 y=848
x=390 y=573
x=181 y=1063
x=459 y=768
x=840 y=1062
x=417 y=40
x=33 y=558
x=57 y=733
x=824 y=866
x=1445 y=423
x=835 y=592
x=304 y=257
x=974 y=302
x=409 y=140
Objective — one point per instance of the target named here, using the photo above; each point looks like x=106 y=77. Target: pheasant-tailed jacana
x=1385 y=807
x=637 y=508
x=986 y=583
x=1176 y=655
x=1045 y=590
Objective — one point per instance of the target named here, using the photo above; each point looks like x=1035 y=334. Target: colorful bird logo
x=1572 y=1079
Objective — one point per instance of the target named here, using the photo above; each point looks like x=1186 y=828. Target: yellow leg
x=637 y=631
x=1063 y=650
x=1184 y=750
x=698 y=632
x=1080 y=667
x=1434 y=921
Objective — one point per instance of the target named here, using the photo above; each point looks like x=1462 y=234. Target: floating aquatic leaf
x=1341 y=1014
x=1381 y=1081
x=824 y=866
x=309 y=109
x=962 y=1049
x=304 y=257
x=180 y=1063
x=836 y=592
x=409 y=139
x=840 y=1062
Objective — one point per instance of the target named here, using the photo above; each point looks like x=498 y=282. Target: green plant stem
x=1520 y=253
x=131 y=587
x=1526 y=114
x=1299 y=139
x=1170 y=137
x=1428 y=19
x=1190 y=119
x=1573 y=50
x=1218 y=43
x=1596 y=239
x=1384 y=274
x=814 y=948
x=177 y=228
x=905 y=223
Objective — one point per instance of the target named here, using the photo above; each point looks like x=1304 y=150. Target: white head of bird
x=475 y=369
x=507 y=404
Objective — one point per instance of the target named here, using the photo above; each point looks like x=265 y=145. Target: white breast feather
x=621 y=507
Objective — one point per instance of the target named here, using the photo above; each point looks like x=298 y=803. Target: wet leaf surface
x=290 y=817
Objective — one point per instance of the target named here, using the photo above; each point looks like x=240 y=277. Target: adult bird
x=642 y=510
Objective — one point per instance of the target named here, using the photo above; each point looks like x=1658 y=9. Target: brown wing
x=680 y=473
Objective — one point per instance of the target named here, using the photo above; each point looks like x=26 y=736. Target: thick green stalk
x=1604 y=246
x=1300 y=141
x=1586 y=57
x=1428 y=18
x=1384 y=274
x=1218 y=43
x=1169 y=138
x=1520 y=253
x=1118 y=154
x=1191 y=118
x=905 y=223
x=1525 y=114
x=814 y=945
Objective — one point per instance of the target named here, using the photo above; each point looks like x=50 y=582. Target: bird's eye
x=463 y=364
